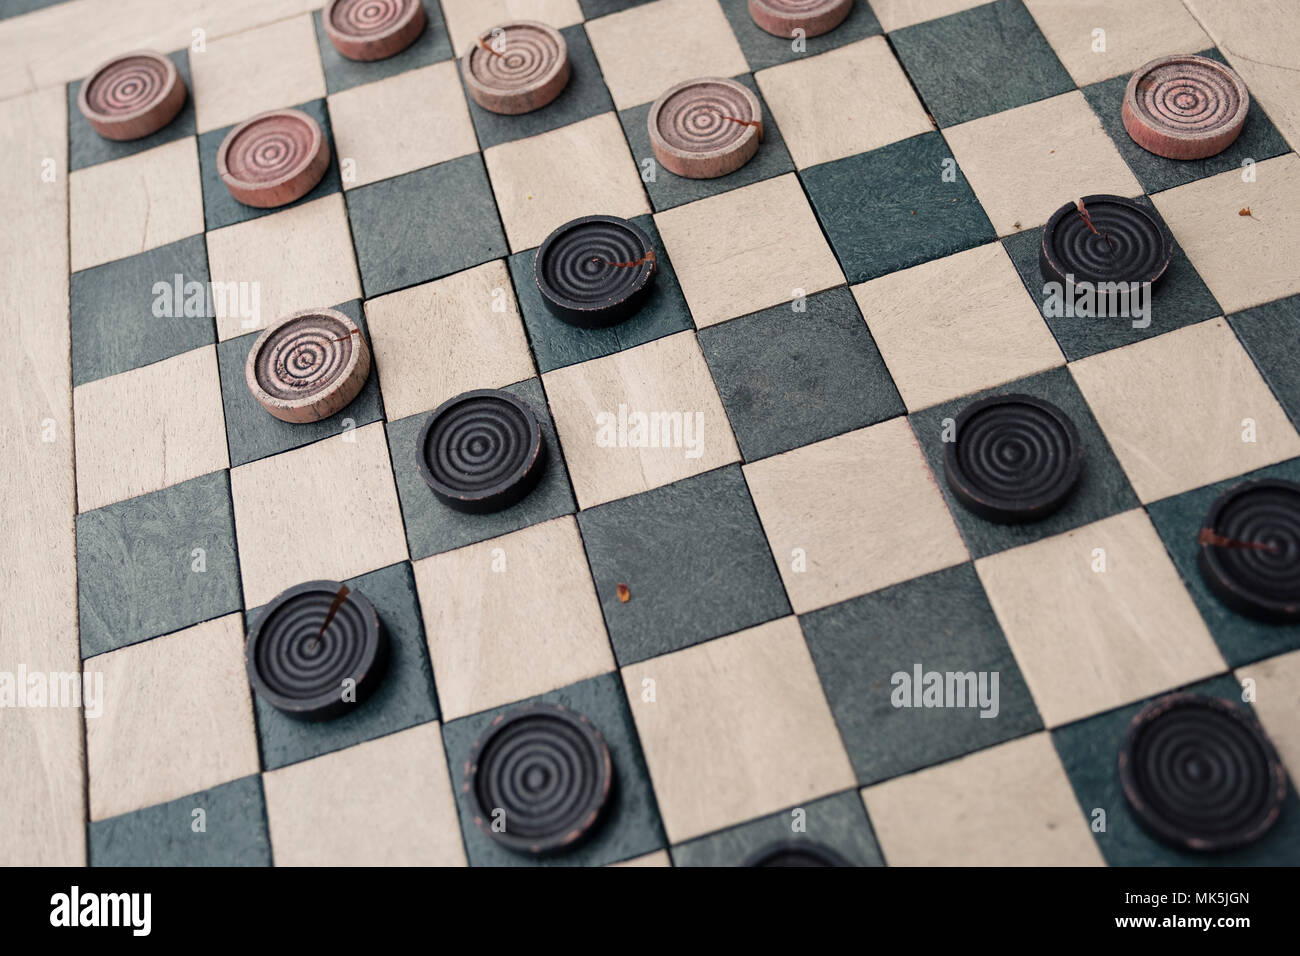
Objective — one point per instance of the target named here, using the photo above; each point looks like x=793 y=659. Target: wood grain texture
x=327 y=510
x=1088 y=640
x=1011 y=805
x=748 y=249
x=668 y=375
x=864 y=510
x=476 y=347
x=178 y=718
x=719 y=753
x=387 y=802
x=466 y=19
x=956 y=325
x=497 y=636
x=1277 y=704
x=1026 y=163
x=1174 y=408
x=44 y=796
x=850 y=100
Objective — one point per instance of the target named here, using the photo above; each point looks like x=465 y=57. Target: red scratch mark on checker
x=487 y=46
x=334 y=609
x=1087 y=220
x=757 y=124
x=1215 y=540
x=648 y=257
x=349 y=335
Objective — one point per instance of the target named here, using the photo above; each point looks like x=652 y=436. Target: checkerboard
x=825 y=310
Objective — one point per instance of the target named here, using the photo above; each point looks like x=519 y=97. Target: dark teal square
x=136 y=574
x=1179 y=520
x=1103 y=488
x=630 y=826
x=890 y=208
x=234 y=831
x=432 y=46
x=432 y=527
x=667 y=189
x=88 y=148
x=1259 y=139
x=220 y=208
x=1271 y=334
x=790 y=378
x=425 y=225
x=837 y=822
x=1089 y=750
x=942 y=622
x=556 y=343
x=762 y=49
x=404 y=698
x=980 y=61
x=694 y=558
x=114 y=327
x=591 y=9
x=252 y=432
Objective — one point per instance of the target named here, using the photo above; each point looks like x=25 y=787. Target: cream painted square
x=957 y=325
x=748 y=249
x=511 y=617
x=466 y=19
x=130 y=205
x=1245 y=260
x=327 y=510
x=298 y=258
x=373 y=129
x=1026 y=163
x=657 y=858
x=386 y=802
x=266 y=68
x=647 y=48
x=1277 y=704
x=149 y=428
x=1009 y=805
x=861 y=509
x=1098 y=618
x=433 y=341
x=1185 y=409
x=738 y=728
x=896 y=14
x=177 y=718
x=650 y=384
x=874 y=104
x=1132 y=33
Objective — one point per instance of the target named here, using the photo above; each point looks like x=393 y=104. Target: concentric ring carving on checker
x=595 y=271
x=481 y=451
x=544 y=772
x=132 y=95
x=373 y=29
x=1185 y=107
x=1102 y=239
x=1250 y=550
x=705 y=128
x=308 y=365
x=795 y=852
x=814 y=17
x=317 y=650
x=517 y=67
x=1200 y=774
x=274 y=158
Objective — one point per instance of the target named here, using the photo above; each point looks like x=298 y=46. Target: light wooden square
x=1277 y=704
x=957 y=325
x=1178 y=408
x=896 y=14
x=748 y=249
x=299 y=258
x=1098 y=617
x=136 y=203
x=149 y=428
x=327 y=510
x=853 y=514
x=267 y=68
x=719 y=748
x=874 y=104
x=1245 y=260
x=1133 y=34
x=650 y=47
x=657 y=858
x=1026 y=163
x=543 y=181
x=177 y=718
x=666 y=376
x=466 y=19
x=387 y=802
x=373 y=129
x=1010 y=805
x=473 y=323
x=511 y=617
